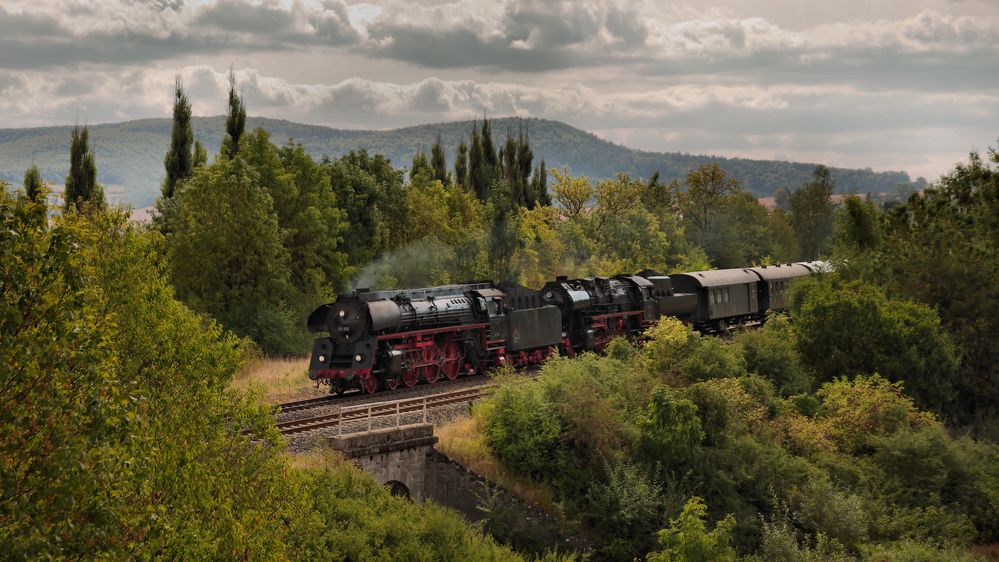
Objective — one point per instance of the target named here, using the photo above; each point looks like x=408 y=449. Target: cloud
x=590 y=38
x=663 y=78
x=65 y=33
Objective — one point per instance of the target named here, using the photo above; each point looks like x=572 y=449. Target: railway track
x=368 y=412
x=304 y=404
x=356 y=398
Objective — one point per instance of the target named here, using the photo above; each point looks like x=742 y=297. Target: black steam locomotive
x=386 y=339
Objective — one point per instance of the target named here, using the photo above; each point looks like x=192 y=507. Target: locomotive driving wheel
x=432 y=370
x=369 y=383
x=410 y=376
x=452 y=360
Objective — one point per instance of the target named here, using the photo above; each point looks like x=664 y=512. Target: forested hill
x=130 y=154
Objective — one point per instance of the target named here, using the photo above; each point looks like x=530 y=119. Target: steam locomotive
x=388 y=339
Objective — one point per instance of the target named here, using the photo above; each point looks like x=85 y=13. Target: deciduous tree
x=572 y=193
x=812 y=214
x=227 y=259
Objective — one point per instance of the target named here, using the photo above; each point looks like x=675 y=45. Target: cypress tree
x=81 y=182
x=438 y=162
x=200 y=154
x=179 y=161
x=477 y=173
x=489 y=157
x=235 y=121
x=525 y=157
x=539 y=185
x=508 y=164
x=461 y=165
x=33 y=183
x=420 y=164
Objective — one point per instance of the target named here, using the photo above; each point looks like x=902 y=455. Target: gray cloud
x=662 y=78
x=116 y=32
x=515 y=36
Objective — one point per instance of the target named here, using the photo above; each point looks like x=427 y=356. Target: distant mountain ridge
x=130 y=154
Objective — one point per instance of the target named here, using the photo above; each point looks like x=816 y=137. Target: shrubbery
x=119 y=435
x=788 y=467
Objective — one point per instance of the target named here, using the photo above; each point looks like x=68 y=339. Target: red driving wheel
x=453 y=359
x=370 y=383
x=432 y=370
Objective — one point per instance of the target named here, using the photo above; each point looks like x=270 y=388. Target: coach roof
x=719 y=277
x=781 y=271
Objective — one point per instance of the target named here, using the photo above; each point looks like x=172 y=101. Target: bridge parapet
x=396 y=456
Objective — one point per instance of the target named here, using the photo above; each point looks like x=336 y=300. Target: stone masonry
x=395 y=456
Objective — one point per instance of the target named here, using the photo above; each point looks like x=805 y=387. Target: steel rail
x=367 y=412
x=304 y=404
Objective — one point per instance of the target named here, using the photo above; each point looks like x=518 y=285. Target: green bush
x=523 y=429
x=948 y=486
x=910 y=551
x=771 y=353
x=121 y=438
x=853 y=327
x=820 y=506
x=670 y=430
x=687 y=538
x=625 y=511
x=707 y=358
x=351 y=517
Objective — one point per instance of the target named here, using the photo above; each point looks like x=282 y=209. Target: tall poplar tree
x=539 y=186
x=179 y=160
x=82 y=189
x=515 y=158
x=438 y=162
x=235 y=122
x=525 y=157
x=509 y=170
x=461 y=165
x=478 y=175
x=33 y=183
x=489 y=156
x=420 y=164
x=200 y=154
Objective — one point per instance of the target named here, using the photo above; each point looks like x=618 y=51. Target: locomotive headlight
x=322 y=358
x=357 y=358
x=342 y=314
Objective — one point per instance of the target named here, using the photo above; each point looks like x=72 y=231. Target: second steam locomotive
x=388 y=339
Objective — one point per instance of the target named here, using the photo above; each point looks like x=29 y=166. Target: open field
x=278 y=379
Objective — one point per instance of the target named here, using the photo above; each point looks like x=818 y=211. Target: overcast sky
x=886 y=84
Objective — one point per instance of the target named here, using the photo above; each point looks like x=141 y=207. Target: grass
x=278 y=379
x=463 y=439
x=318 y=458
